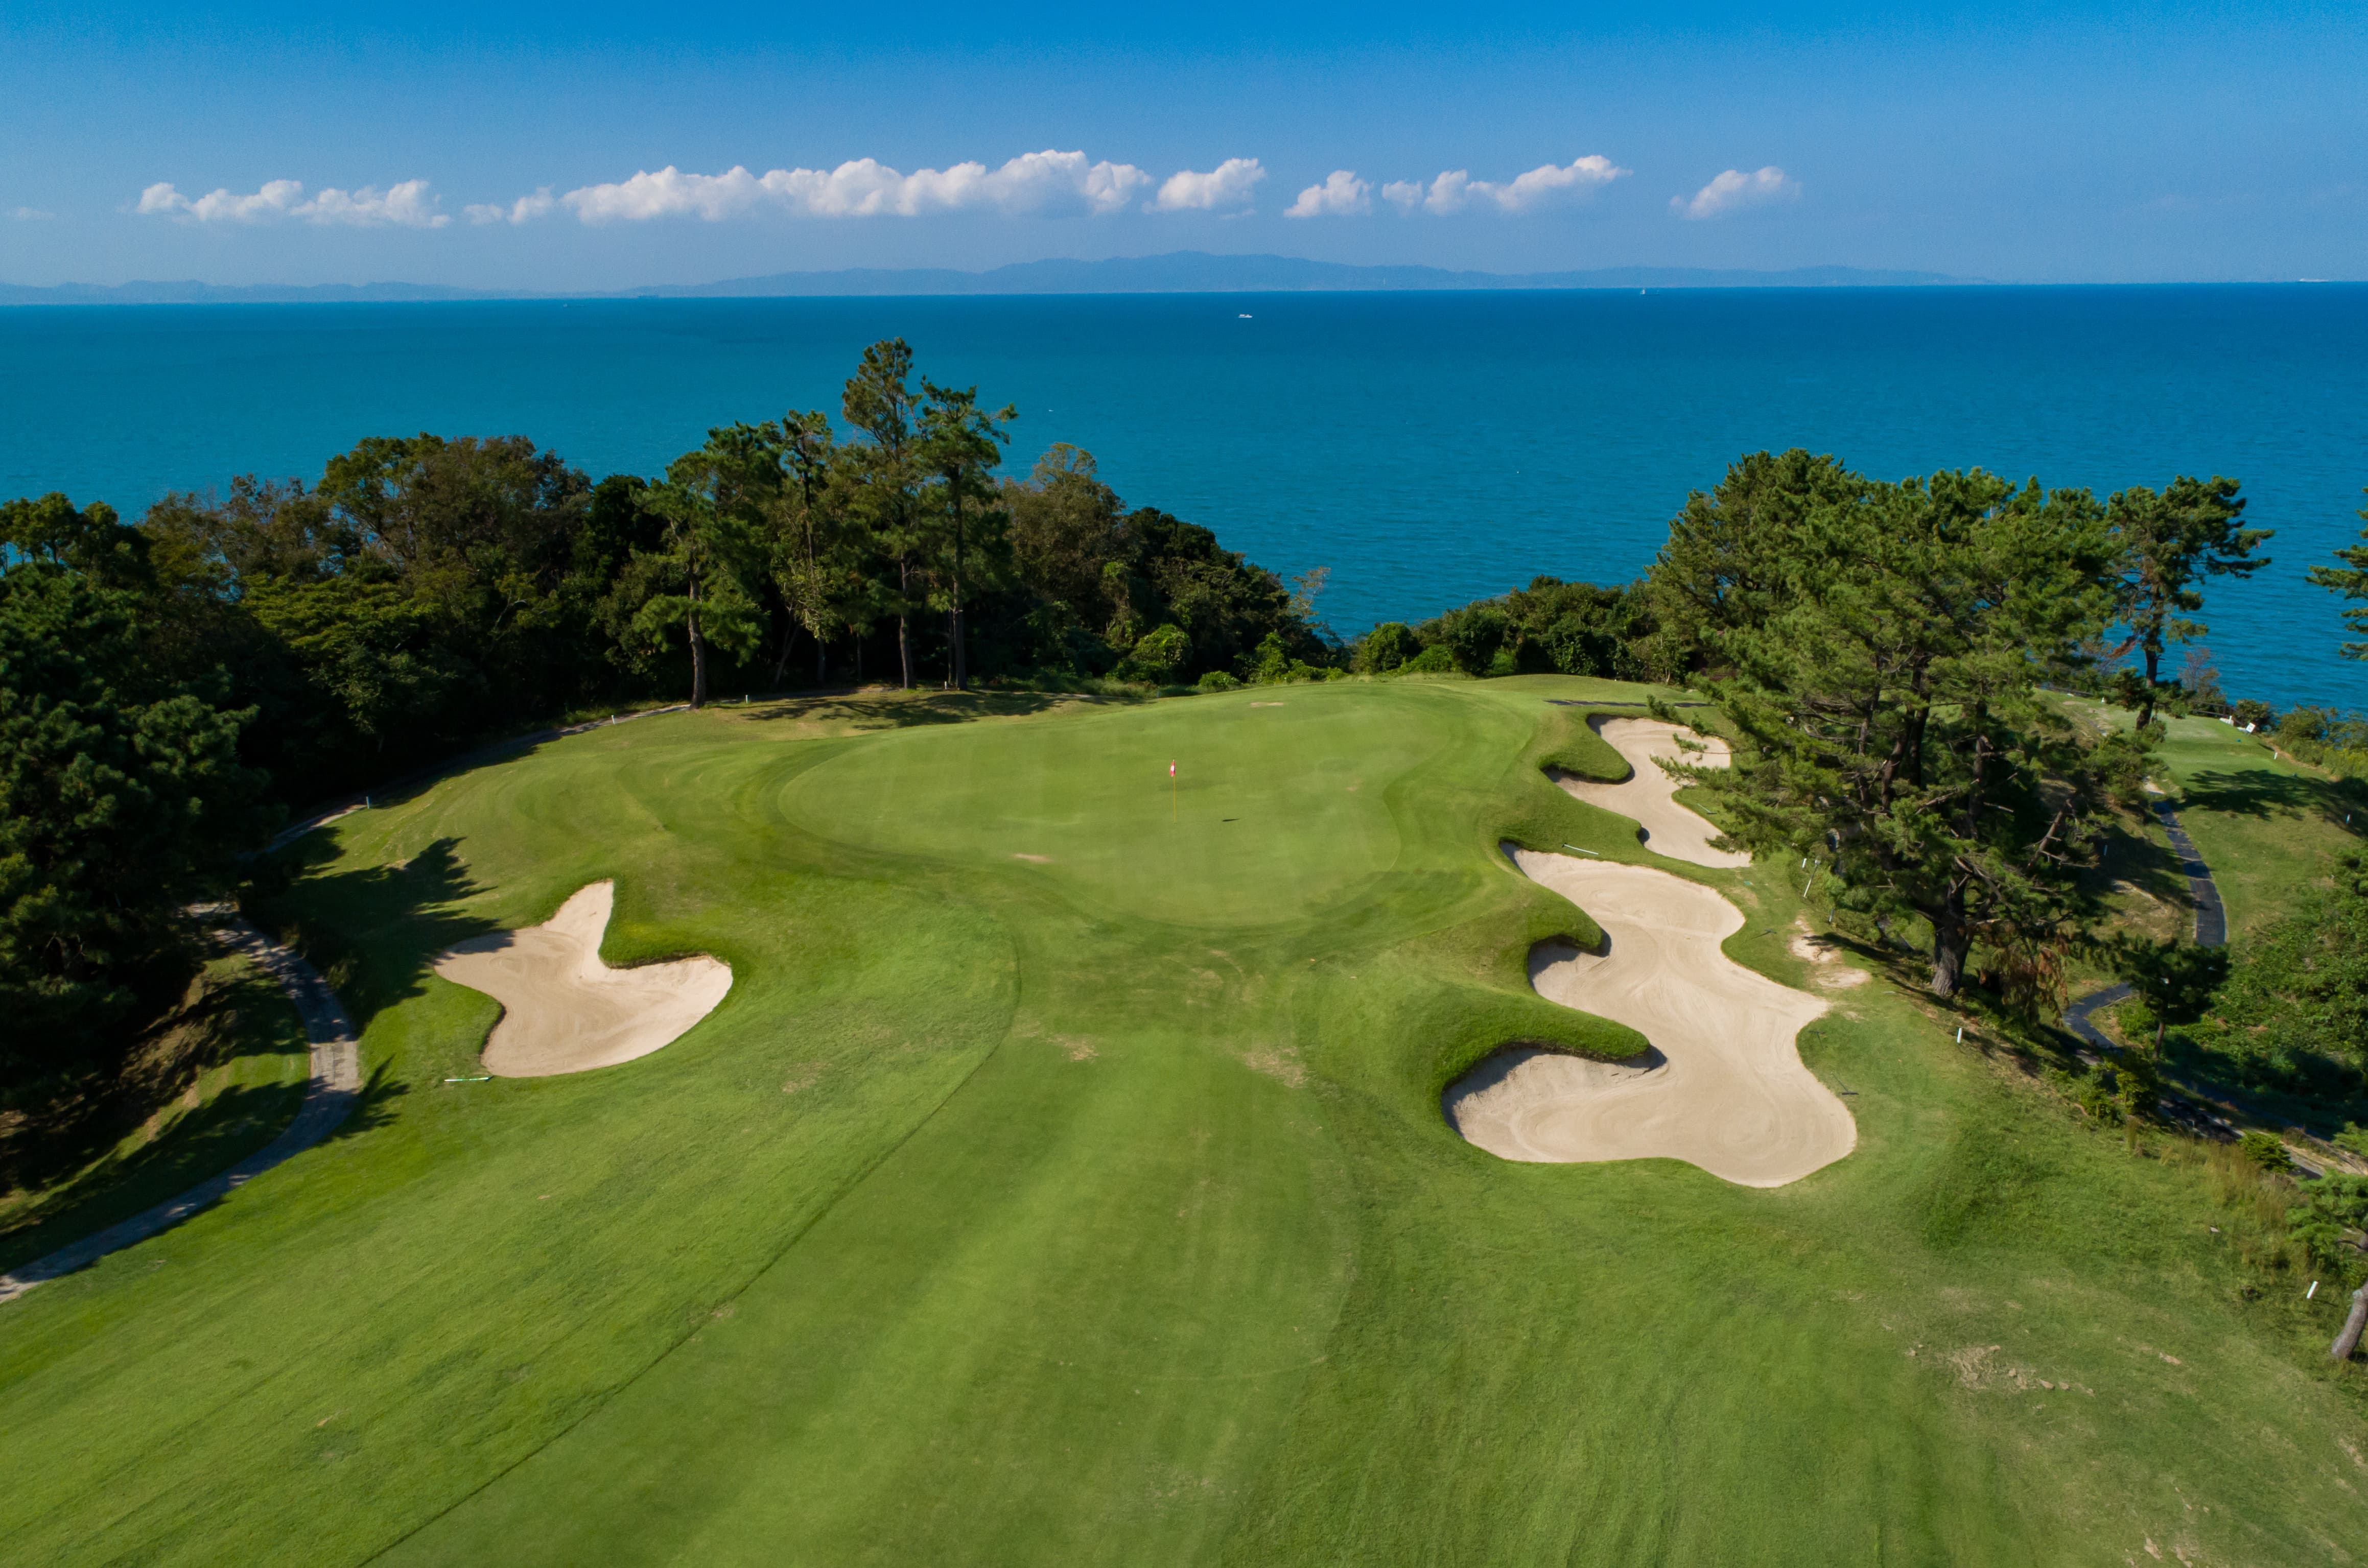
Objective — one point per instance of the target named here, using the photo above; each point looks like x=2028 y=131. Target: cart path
x=2211 y=928
x=329 y=1099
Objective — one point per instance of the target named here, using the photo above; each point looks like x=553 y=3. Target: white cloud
x=404 y=205
x=1735 y=191
x=1050 y=182
x=1340 y=195
x=30 y=215
x=1228 y=185
x=524 y=209
x=1547 y=186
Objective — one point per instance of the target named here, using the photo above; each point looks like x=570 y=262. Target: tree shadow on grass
x=373 y=1106
x=373 y=931
x=855 y=711
x=72 y=1165
x=227 y=1128
x=2133 y=856
x=2261 y=793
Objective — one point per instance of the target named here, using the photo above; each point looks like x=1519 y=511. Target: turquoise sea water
x=1429 y=448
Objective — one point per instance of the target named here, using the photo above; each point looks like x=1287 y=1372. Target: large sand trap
x=1648 y=794
x=562 y=1009
x=1722 y=1088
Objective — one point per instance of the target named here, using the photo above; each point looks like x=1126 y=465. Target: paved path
x=2211 y=931
x=329 y=1097
x=2211 y=918
x=2211 y=928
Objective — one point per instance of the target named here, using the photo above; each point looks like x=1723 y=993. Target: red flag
x=1171 y=770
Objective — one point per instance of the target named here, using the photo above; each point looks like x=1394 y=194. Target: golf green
x=1064 y=1180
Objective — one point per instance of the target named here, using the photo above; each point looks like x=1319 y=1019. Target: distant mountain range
x=1197 y=272
x=244 y=295
x=1179 y=272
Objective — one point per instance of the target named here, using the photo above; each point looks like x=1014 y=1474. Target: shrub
x=1474 y=635
x=1158 y=654
x=2330 y=1225
x=1218 y=680
x=2097 y=1096
x=2331 y=740
x=2295 y=1010
x=1386 y=647
x=2265 y=1150
x=1432 y=661
x=1271 y=665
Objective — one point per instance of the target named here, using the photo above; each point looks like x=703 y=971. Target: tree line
x=172 y=688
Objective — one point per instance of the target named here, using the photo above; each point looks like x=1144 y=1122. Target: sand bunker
x=562 y=1009
x=1647 y=794
x=1723 y=1087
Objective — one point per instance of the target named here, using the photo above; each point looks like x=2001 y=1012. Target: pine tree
x=2350 y=579
x=1885 y=670
x=2170 y=541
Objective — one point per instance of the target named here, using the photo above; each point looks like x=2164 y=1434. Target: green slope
x=1098 y=1208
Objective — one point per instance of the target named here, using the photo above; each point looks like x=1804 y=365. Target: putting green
x=1099 y=1207
x=1278 y=804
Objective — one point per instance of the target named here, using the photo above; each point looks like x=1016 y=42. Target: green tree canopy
x=2170 y=541
x=1724 y=564
x=2294 y=1011
x=121 y=800
x=2174 y=978
x=699 y=578
x=882 y=474
x=2350 y=579
x=1884 y=650
x=961 y=445
x=93 y=541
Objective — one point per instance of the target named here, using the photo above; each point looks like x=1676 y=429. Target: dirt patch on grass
x=562 y=1009
x=1280 y=1062
x=1831 y=974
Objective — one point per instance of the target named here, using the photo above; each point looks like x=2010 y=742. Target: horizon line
x=1206 y=269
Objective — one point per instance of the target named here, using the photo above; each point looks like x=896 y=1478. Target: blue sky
x=529 y=146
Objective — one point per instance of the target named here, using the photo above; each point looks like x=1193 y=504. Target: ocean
x=1428 y=448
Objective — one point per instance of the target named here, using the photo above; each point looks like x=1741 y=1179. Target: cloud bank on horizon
x=405 y=204
x=1046 y=184
x=1344 y=194
x=1733 y=190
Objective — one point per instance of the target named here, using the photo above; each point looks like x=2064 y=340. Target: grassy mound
x=1064 y=1180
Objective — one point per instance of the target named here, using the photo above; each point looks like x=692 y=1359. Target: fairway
x=1062 y=1178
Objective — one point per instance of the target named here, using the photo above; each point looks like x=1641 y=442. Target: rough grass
x=2261 y=822
x=1099 y=1207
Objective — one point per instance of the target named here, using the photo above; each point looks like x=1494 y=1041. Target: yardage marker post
x=1171 y=791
